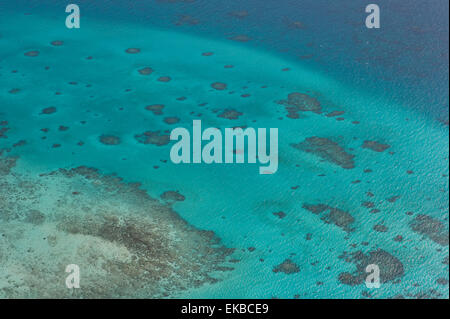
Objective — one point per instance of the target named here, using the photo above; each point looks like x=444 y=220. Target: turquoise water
x=397 y=198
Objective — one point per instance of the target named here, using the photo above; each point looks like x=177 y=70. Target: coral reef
x=391 y=268
x=299 y=102
x=155 y=108
x=172 y=196
x=288 y=267
x=48 y=110
x=133 y=50
x=109 y=140
x=33 y=53
x=375 y=146
x=328 y=150
x=171 y=120
x=335 y=216
x=153 y=137
x=57 y=43
x=431 y=228
x=145 y=71
x=125 y=243
x=219 y=86
x=230 y=114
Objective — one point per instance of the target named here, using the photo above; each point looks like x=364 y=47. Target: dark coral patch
x=339 y=218
x=7 y=164
x=219 y=86
x=164 y=79
x=145 y=71
x=327 y=150
x=109 y=140
x=335 y=216
x=375 y=146
x=34 y=217
x=316 y=209
x=49 y=110
x=171 y=120
x=297 y=102
x=431 y=228
x=14 y=91
x=287 y=266
x=57 y=43
x=391 y=268
x=368 y=204
x=173 y=196
x=442 y=281
x=230 y=114
x=33 y=53
x=380 y=228
x=393 y=199
x=280 y=215
x=3 y=131
x=155 y=138
x=240 y=38
x=20 y=143
x=208 y=53
x=155 y=108
x=335 y=113
x=187 y=20
x=133 y=50
x=239 y=14
x=144 y=246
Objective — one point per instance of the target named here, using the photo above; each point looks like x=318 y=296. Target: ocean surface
x=363 y=147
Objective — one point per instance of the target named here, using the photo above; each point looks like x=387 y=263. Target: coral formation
x=287 y=267
x=153 y=137
x=328 y=150
x=391 y=268
x=126 y=243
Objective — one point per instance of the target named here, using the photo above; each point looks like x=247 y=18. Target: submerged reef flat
x=328 y=150
x=133 y=50
x=125 y=243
